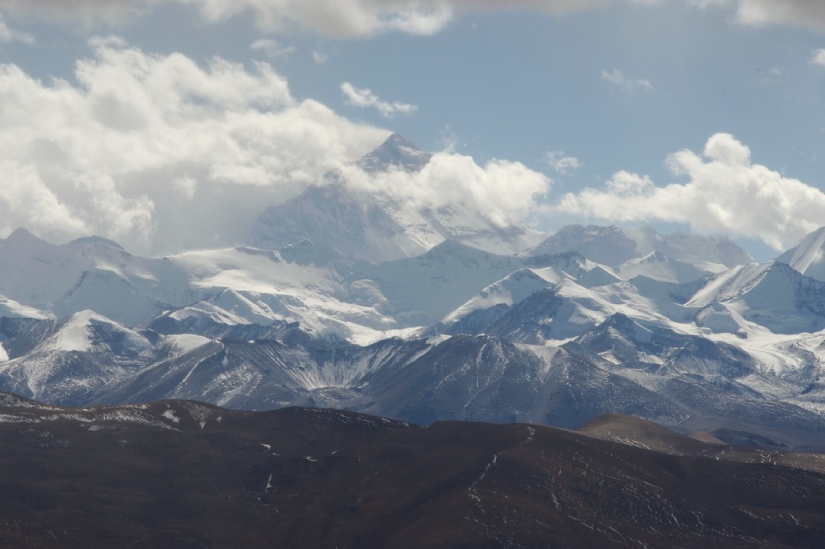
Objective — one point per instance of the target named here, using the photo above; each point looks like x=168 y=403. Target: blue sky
x=597 y=101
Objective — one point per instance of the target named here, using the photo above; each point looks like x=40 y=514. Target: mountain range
x=360 y=302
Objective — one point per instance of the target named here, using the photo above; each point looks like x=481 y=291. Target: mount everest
x=375 y=225
x=350 y=300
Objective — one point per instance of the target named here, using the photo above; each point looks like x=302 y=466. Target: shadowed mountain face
x=184 y=474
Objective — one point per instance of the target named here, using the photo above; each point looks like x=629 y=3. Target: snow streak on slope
x=807 y=256
x=12 y=309
x=657 y=266
x=455 y=332
x=508 y=291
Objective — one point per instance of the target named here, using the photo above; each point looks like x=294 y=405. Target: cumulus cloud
x=818 y=57
x=562 y=164
x=502 y=192
x=725 y=194
x=158 y=152
x=618 y=79
x=364 y=98
x=162 y=154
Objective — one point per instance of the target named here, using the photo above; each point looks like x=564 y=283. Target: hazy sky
x=171 y=124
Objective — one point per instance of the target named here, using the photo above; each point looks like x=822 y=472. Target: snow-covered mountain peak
x=730 y=284
x=715 y=249
x=450 y=247
x=354 y=223
x=383 y=225
x=658 y=266
x=807 y=256
x=379 y=227
x=503 y=294
x=606 y=245
x=396 y=151
x=86 y=241
x=772 y=295
x=689 y=248
x=22 y=239
x=85 y=330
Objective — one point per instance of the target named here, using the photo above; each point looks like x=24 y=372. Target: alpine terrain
x=347 y=300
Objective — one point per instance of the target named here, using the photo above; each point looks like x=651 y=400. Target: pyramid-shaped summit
x=396 y=151
x=382 y=226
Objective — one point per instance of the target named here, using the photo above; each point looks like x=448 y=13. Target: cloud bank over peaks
x=724 y=194
x=164 y=155
x=502 y=192
x=158 y=152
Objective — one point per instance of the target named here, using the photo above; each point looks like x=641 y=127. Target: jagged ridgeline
x=347 y=301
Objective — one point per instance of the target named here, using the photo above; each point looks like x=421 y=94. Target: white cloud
x=725 y=194
x=503 y=192
x=271 y=48
x=818 y=57
x=629 y=85
x=562 y=164
x=364 y=98
x=158 y=152
x=162 y=154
